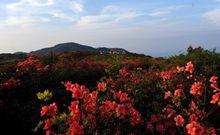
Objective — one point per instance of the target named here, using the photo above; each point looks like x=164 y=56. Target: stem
x=204 y=103
x=211 y=112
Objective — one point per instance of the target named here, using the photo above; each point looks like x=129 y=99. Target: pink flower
x=194 y=128
x=180 y=69
x=47 y=124
x=192 y=118
x=111 y=105
x=50 y=110
x=213 y=79
x=44 y=110
x=178 y=93
x=75 y=110
x=160 y=128
x=135 y=117
x=101 y=86
x=122 y=96
x=179 y=120
x=68 y=86
x=193 y=106
x=76 y=129
x=197 y=88
x=189 y=67
x=154 y=119
x=167 y=95
x=215 y=99
x=149 y=126
x=166 y=75
x=53 y=109
x=120 y=111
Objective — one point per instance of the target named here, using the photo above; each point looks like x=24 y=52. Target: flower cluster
x=31 y=63
x=186 y=95
x=90 y=108
x=10 y=83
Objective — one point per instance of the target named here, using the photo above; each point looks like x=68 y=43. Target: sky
x=151 y=27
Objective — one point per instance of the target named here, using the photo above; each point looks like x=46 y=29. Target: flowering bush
x=10 y=83
x=88 y=110
x=31 y=64
x=188 y=97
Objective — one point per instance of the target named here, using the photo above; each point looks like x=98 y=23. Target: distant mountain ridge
x=71 y=47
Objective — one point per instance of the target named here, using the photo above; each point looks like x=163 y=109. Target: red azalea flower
x=47 y=124
x=213 y=79
x=178 y=93
x=53 y=109
x=101 y=86
x=166 y=75
x=167 y=95
x=76 y=129
x=192 y=118
x=44 y=110
x=179 y=120
x=149 y=126
x=193 y=106
x=68 y=86
x=194 y=128
x=215 y=99
x=196 y=89
x=189 y=67
x=180 y=69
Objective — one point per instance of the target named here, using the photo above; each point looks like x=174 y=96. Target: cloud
x=76 y=6
x=109 y=14
x=23 y=3
x=44 y=10
x=111 y=9
x=159 y=13
x=213 y=16
x=22 y=21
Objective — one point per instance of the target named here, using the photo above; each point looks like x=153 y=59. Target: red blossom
x=75 y=110
x=149 y=126
x=47 y=124
x=197 y=88
x=178 y=93
x=193 y=106
x=166 y=75
x=179 y=120
x=135 y=117
x=160 y=128
x=192 y=118
x=101 y=86
x=50 y=110
x=167 y=95
x=122 y=96
x=76 y=129
x=180 y=69
x=121 y=111
x=44 y=110
x=10 y=83
x=189 y=67
x=213 y=79
x=215 y=99
x=194 y=128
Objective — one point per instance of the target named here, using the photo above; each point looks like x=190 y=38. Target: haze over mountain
x=69 y=47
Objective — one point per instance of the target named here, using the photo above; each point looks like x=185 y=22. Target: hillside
x=73 y=47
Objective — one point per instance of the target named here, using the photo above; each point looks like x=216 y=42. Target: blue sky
x=154 y=27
